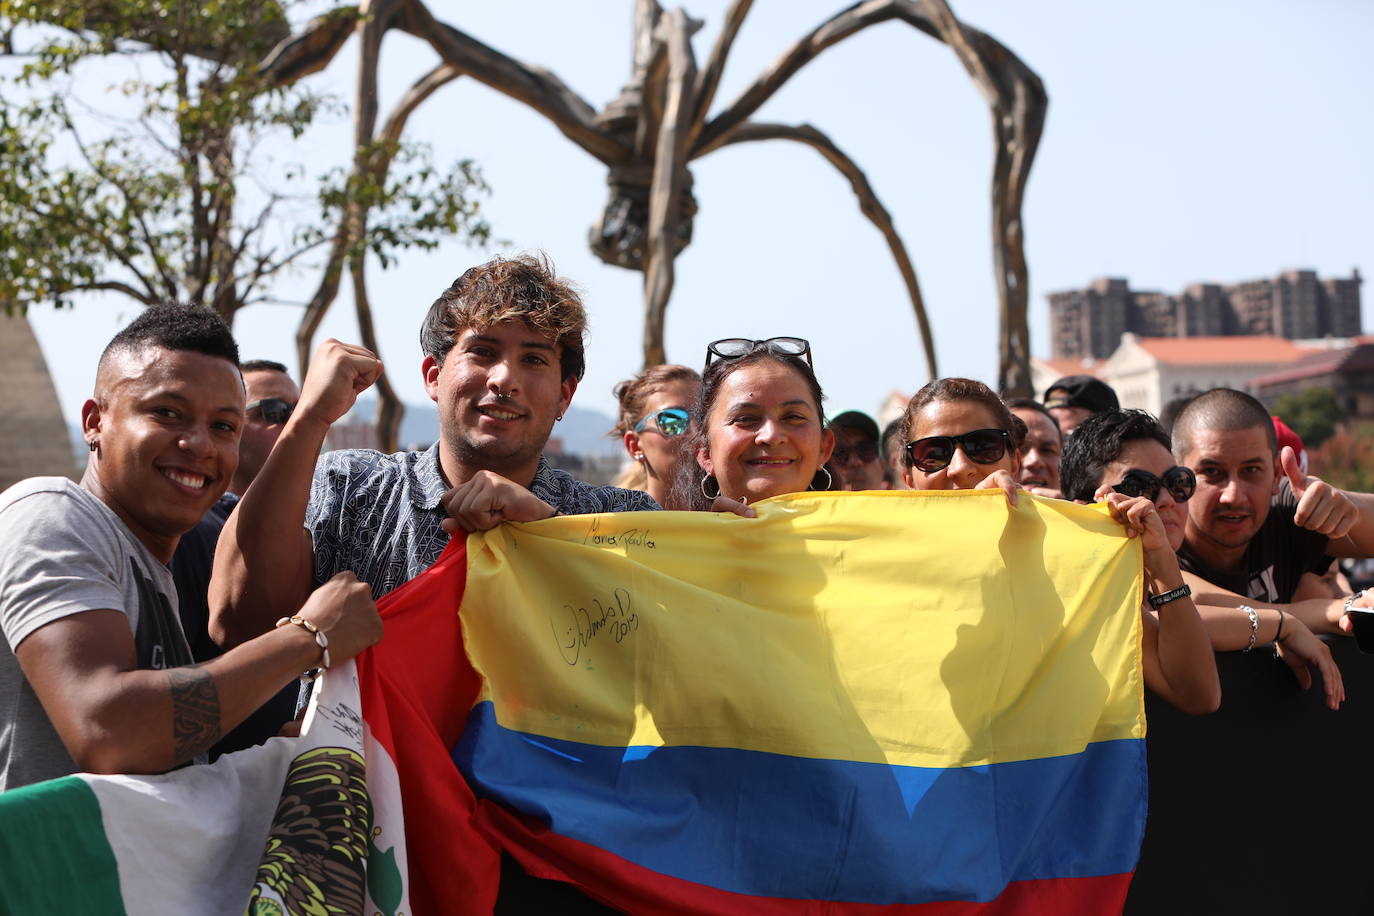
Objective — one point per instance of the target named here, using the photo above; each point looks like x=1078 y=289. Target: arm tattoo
x=195 y=711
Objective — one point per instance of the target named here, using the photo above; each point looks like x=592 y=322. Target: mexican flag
x=282 y=828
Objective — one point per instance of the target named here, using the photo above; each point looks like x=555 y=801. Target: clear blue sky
x=1185 y=141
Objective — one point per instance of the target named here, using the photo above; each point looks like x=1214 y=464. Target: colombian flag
x=928 y=702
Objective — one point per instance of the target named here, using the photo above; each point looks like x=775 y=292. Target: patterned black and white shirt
x=379 y=515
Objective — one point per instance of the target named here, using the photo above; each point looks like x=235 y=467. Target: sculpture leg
x=670 y=177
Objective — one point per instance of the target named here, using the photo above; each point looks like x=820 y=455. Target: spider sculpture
x=648 y=136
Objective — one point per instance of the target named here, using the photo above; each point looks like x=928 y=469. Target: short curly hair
x=175 y=326
x=1097 y=442
x=523 y=287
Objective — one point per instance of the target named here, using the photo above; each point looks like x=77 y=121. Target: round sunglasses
x=982 y=446
x=1178 y=480
x=671 y=421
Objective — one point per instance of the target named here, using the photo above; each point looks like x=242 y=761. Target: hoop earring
x=829 y=481
x=93 y=444
x=703 y=487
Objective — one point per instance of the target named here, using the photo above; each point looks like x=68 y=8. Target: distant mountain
x=582 y=430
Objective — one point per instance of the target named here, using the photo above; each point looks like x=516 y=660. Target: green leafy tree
x=1312 y=414
x=180 y=183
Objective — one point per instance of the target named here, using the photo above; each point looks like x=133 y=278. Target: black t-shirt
x=1275 y=559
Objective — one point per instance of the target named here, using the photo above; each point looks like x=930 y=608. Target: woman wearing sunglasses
x=655 y=424
x=1124 y=456
x=763 y=431
x=961 y=436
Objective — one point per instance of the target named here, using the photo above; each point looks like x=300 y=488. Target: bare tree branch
x=868 y=203
x=163 y=270
x=390 y=410
x=113 y=286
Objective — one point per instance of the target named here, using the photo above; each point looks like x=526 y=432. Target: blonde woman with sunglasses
x=655 y=424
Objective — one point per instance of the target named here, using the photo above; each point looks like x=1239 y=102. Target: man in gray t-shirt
x=63 y=552
x=94 y=671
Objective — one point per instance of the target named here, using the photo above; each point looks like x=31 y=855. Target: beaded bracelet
x=1254 y=625
x=320 y=640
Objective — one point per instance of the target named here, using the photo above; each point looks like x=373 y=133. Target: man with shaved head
x=95 y=671
x=1257 y=522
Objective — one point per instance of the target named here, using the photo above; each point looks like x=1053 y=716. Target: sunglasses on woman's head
x=736 y=347
x=982 y=446
x=1179 y=481
x=671 y=421
x=273 y=410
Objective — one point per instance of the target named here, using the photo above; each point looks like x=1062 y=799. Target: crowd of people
x=160 y=611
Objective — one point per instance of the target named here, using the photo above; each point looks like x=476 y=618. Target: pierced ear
x=90 y=419
x=431 y=369
x=569 y=388
x=827 y=445
x=631 y=440
x=704 y=460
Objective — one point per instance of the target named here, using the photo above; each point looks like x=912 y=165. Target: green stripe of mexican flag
x=62 y=815
x=290 y=823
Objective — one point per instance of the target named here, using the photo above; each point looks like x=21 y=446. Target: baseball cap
x=1081 y=391
x=1286 y=436
x=858 y=421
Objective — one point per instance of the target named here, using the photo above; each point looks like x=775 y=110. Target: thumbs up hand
x=1321 y=507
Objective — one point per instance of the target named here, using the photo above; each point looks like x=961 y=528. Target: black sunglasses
x=864 y=451
x=273 y=410
x=982 y=446
x=736 y=347
x=671 y=421
x=1179 y=481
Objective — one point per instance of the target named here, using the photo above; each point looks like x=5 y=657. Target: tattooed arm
x=115 y=718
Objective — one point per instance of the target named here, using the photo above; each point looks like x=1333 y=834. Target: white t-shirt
x=62 y=552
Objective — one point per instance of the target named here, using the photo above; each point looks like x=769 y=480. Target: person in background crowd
x=655 y=424
x=961 y=436
x=894 y=448
x=763 y=430
x=1041 y=448
x=1169 y=415
x=857 y=462
x=95 y=671
x=271 y=395
x=1128 y=451
x=1074 y=398
x=1331 y=582
x=1258 y=523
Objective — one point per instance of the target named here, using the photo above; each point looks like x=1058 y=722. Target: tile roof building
x=1348 y=373
x=1148 y=372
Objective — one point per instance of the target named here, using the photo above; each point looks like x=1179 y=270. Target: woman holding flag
x=960 y=435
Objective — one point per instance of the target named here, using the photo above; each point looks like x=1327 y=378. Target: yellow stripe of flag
x=920 y=629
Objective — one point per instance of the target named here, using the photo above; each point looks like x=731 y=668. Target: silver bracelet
x=1254 y=625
